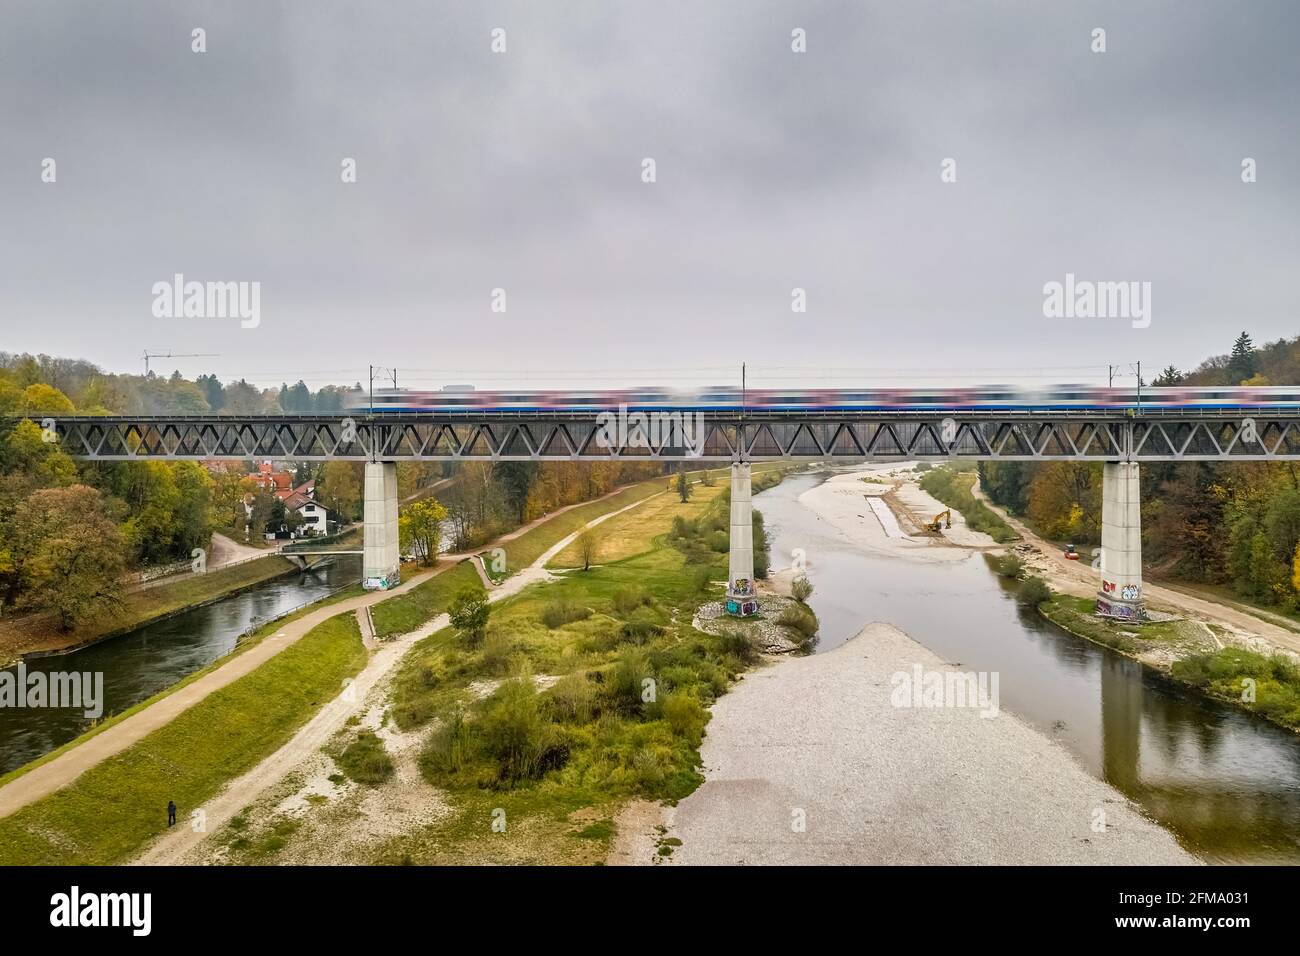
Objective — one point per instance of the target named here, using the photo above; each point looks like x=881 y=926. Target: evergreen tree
x=1169 y=376
x=1241 y=365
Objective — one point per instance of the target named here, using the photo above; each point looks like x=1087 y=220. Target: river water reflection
x=1226 y=784
x=151 y=658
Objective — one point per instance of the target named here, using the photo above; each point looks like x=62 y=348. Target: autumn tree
x=1065 y=501
x=420 y=526
x=339 y=488
x=69 y=554
x=589 y=542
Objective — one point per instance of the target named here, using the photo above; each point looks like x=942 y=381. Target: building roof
x=296 y=500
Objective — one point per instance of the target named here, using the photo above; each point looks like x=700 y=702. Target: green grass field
x=558 y=761
x=531 y=545
x=551 y=728
x=403 y=613
x=250 y=640
x=109 y=813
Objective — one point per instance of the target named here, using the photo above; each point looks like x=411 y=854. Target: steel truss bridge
x=1026 y=435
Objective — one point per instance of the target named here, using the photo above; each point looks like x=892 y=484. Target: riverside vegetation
x=576 y=696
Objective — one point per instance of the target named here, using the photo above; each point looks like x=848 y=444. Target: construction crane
x=153 y=355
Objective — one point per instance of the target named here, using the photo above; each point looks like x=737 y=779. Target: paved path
x=65 y=768
x=809 y=762
x=170 y=848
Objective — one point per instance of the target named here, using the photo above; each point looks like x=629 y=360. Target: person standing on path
x=171 y=812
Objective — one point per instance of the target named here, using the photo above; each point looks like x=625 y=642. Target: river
x=1226 y=784
x=139 y=664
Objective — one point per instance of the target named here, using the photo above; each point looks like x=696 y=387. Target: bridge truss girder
x=563 y=437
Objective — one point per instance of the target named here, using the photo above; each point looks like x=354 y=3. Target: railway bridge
x=1120 y=438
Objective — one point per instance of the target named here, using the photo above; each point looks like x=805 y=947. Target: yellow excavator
x=938 y=524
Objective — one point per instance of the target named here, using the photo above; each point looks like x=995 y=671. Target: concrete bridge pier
x=741 y=596
x=381 y=561
x=1120 y=595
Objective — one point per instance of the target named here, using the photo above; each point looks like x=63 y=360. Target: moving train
x=727 y=398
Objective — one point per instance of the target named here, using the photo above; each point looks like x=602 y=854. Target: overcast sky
x=522 y=170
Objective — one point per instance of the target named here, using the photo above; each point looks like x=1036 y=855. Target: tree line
x=1235 y=523
x=70 y=530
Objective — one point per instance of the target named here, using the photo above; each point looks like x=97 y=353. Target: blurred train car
x=984 y=398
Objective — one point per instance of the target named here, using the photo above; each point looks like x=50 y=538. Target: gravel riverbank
x=816 y=742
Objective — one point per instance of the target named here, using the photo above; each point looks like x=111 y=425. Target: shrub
x=627 y=600
x=564 y=611
x=447 y=750
x=801 y=589
x=700 y=579
x=574 y=699
x=1009 y=566
x=513 y=732
x=641 y=626
x=497 y=648
x=365 y=760
x=625 y=684
x=953 y=488
x=684 y=715
x=469 y=613
x=1033 y=592
x=684 y=527
x=762 y=543
x=433 y=672
x=738 y=645
x=801 y=619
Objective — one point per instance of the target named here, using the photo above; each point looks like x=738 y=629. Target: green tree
x=1241 y=364
x=339 y=488
x=44 y=464
x=1167 y=377
x=683 y=486
x=1282 y=522
x=762 y=545
x=262 y=518
x=469 y=612
x=1007 y=483
x=150 y=491
x=194 y=515
x=213 y=391
x=516 y=480
x=40 y=399
x=296 y=398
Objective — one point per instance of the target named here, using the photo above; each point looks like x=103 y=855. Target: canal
x=139 y=664
x=1226 y=784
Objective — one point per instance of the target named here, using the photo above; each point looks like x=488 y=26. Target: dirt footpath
x=300 y=759
x=1081 y=580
